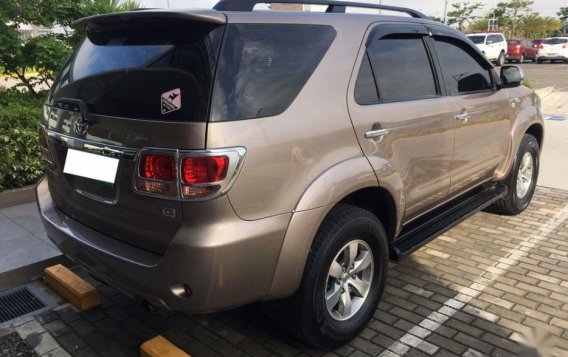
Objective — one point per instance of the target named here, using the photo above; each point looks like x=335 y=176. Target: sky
x=429 y=7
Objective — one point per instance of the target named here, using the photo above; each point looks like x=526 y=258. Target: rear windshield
x=555 y=41
x=155 y=70
x=513 y=42
x=263 y=67
x=477 y=39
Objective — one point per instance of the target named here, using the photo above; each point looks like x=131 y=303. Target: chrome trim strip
x=97 y=148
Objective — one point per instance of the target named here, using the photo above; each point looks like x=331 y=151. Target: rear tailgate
x=553 y=47
x=139 y=81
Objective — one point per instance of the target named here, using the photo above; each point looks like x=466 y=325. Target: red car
x=520 y=50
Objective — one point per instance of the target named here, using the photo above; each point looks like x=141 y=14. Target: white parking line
x=458 y=302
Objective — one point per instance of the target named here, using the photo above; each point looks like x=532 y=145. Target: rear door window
x=402 y=68
x=365 y=87
x=494 y=39
x=464 y=69
x=263 y=67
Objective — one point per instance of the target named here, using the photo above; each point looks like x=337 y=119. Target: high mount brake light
x=195 y=175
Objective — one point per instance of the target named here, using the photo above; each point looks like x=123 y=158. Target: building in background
x=29 y=31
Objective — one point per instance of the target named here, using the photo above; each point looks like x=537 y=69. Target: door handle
x=372 y=134
x=463 y=116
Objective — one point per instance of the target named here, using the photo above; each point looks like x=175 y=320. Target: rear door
x=481 y=112
x=138 y=84
x=401 y=117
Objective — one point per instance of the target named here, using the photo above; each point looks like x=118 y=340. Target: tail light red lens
x=191 y=174
x=158 y=167
x=204 y=169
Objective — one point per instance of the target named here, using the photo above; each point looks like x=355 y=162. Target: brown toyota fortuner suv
x=201 y=160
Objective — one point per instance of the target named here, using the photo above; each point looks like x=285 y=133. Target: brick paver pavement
x=482 y=288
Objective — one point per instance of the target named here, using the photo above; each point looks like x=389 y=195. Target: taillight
x=43 y=140
x=565 y=46
x=208 y=174
x=158 y=167
x=157 y=174
x=204 y=169
x=539 y=46
x=199 y=174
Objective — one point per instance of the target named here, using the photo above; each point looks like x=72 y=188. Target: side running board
x=422 y=230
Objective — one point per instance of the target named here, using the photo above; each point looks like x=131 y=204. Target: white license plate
x=96 y=167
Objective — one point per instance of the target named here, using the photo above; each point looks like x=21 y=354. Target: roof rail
x=333 y=6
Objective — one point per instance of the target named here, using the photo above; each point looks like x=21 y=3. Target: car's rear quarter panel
x=287 y=152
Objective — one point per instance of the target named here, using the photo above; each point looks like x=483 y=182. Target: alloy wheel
x=349 y=280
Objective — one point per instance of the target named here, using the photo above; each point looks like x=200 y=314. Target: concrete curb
x=27 y=273
x=544 y=92
x=17 y=196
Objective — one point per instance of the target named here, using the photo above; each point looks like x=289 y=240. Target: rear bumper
x=513 y=56
x=549 y=57
x=227 y=264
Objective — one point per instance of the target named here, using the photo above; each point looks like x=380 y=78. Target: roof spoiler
x=332 y=6
x=212 y=17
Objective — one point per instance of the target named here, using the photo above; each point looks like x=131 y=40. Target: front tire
x=521 y=181
x=500 y=59
x=344 y=278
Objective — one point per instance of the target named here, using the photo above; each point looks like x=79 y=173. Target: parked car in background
x=537 y=42
x=553 y=49
x=520 y=50
x=492 y=45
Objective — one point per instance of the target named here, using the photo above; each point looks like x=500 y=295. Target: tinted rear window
x=146 y=69
x=555 y=41
x=402 y=69
x=263 y=67
x=513 y=42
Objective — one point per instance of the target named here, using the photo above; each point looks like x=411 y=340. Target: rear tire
x=521 y=181
x=325 y=320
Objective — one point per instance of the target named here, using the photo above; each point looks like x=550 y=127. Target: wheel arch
x=537 y=131
x=304 y=224
x=528 y=120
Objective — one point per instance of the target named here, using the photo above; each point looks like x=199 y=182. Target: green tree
x=478 y=25
x=437 y=19
x=530 y=25
x=563 y=14
x=463 y=13
x=515 y=9
x=44 y=54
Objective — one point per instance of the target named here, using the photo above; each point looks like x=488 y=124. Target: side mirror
x=511 y=76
